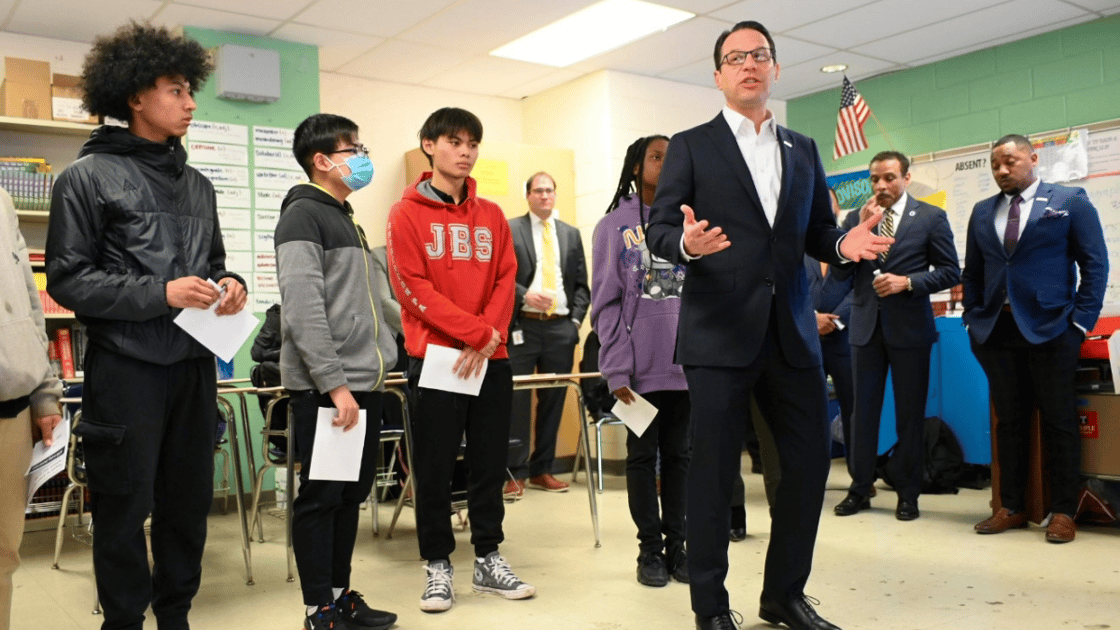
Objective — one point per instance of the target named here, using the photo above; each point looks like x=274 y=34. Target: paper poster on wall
x=1103 y=148
x=210 y=131
x=235 y=218
x=277 y=180
x=264 y=262
x=263 y=241
x=1062 y=157
x=852 y=189
x=275 y=158
x=224 y=175
x=266 y=283
x=214 y=153
x=240 y=263
x=273 y=137
x=229 y=197
x=492 y=177
x=266 y=219
x=262 y=301
x=237 y=240
x=269 y=199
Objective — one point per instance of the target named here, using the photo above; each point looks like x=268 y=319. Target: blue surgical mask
x=361 y=171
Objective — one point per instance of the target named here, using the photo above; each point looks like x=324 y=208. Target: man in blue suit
x=892 y=328
x=1027 y=313
x=741 y=200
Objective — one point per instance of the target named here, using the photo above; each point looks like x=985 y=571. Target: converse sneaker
x=439 y=594
x=493 y=575
x=354 y=611
x=326 y=618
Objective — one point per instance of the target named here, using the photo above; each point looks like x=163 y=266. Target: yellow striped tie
x=548 y=263
x=887 y=228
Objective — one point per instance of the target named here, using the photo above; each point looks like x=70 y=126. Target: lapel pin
x=913 y=212
x=787 y=143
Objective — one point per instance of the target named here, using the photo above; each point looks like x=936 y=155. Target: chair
x=274 y=458
x=76 y=471
x=219 y=441
x=598 y=400
x=386 y=472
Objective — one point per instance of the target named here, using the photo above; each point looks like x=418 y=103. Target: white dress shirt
x=538 y=233
x=761 y=152
x=1003 y=207
x=896 y=212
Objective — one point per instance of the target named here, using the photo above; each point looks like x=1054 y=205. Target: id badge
x=517 y=337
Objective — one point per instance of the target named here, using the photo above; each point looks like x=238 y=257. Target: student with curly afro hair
x=133 y=239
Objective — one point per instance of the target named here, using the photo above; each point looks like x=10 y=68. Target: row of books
x=28 y=181
x=50 y=307
x=67 y=351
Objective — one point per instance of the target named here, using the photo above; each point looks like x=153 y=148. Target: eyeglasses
x=543 y=191
x=739 y=57
x=359 y=150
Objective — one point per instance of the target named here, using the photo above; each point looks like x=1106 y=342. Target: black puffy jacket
x=127 y=217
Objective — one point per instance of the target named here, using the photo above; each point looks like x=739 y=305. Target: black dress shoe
x=737 y=534
x=722 y=621
x=906 y=511
x=797 y=613
x=852 y=504
x=652 y=570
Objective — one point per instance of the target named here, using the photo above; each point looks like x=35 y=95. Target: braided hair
x=632 y=172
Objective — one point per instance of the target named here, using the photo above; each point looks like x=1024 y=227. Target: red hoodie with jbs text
x=452 y=268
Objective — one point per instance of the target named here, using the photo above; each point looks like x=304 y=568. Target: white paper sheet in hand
x=637 y=415
x=336 y=455
x=46 y=462
x=221 y=334
x=437 y=372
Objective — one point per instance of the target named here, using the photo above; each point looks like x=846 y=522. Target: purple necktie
x=1011 y=232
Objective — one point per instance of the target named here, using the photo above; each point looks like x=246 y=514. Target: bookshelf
x=46 y=127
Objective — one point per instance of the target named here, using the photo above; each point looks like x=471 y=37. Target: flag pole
x=883 y=129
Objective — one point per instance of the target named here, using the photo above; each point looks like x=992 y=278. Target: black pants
x=909 y=369
x=148 y=436
x=325 y=513
x=794 y=407
x=836 y=351
x=659 y=527
x=439 y=420
x=549 y=348
x=1021 y=375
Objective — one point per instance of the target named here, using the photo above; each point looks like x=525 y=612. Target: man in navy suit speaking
x=741 y=200
x=1034 y=281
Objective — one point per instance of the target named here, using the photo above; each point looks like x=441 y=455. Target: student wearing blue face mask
x=335 y=352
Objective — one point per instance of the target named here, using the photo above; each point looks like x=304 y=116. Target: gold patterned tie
x=548 y=263
x=886 y=228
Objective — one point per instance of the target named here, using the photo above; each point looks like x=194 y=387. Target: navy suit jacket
x=573 y=265
x=829 y=294
x=1062 y=231
x=727 y=296
x=923 y=249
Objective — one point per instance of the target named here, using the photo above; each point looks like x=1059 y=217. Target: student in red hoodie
x=452 y=264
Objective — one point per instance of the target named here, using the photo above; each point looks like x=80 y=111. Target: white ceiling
x=444 y=43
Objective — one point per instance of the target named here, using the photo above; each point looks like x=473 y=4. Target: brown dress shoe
x=1061 y=529
x=547 y=483
x=1002 y=521
x=514 y=489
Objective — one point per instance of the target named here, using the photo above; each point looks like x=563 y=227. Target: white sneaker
x=493 y=575
x=439 y=593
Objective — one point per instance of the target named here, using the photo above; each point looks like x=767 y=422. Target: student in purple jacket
x=635 y=301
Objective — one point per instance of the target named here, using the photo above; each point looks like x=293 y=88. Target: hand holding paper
x=221 y=334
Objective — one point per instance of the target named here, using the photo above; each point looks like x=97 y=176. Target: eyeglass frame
x=763 y=51
x=543 y=191
x=358 y=150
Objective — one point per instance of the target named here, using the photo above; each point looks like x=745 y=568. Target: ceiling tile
x=1104 y=6
x=794 y=51
x=698 y=7
x=384 y=18
x=806 y=78
x=1005 y=39
x=778 y=16
x=275 y=9
x=77 y=22
x=866 y=23
x=402 y=62
x=975 y=29
x=484 y=74
x=335 y=49
x=479 y=26
x=547 y=82
x=696 y=73
x=181 y=15
x=662 y=51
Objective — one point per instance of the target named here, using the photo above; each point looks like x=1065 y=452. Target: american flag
x=849 y=122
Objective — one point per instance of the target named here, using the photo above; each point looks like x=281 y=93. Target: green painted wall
x=299 y=89
x=1060 y=79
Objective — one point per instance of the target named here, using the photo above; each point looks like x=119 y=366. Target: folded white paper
x=336 y=455
x=437 y=372
x=221 y=334
x=46 y=462
x=637 y=415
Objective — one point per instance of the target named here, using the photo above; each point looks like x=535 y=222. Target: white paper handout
x=221 y=334
x=437 y=372
x=1114 y=358
x=46 y=462
x=336 y=455
x=637 y=415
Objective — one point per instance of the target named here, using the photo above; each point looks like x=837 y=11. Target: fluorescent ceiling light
x=591 y=31
x=836 y=67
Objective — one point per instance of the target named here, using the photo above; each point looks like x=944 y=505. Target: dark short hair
x=321 y=133
x=449 y=121
x=884 y=156
x=529 y=182
x=1020 y=141
x=754 y=26
x=131 y=60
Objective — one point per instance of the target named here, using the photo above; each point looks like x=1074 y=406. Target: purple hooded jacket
x=635 y=304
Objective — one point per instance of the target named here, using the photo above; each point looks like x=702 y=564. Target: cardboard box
x=26 y=91
x=66 y=100
x=1100 y=434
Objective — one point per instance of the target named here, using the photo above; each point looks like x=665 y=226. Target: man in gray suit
x=892 y=328
x=552 y=300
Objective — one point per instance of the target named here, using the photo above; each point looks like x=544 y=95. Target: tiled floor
x=871 y=572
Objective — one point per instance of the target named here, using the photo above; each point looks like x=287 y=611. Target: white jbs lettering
x=462 y=245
